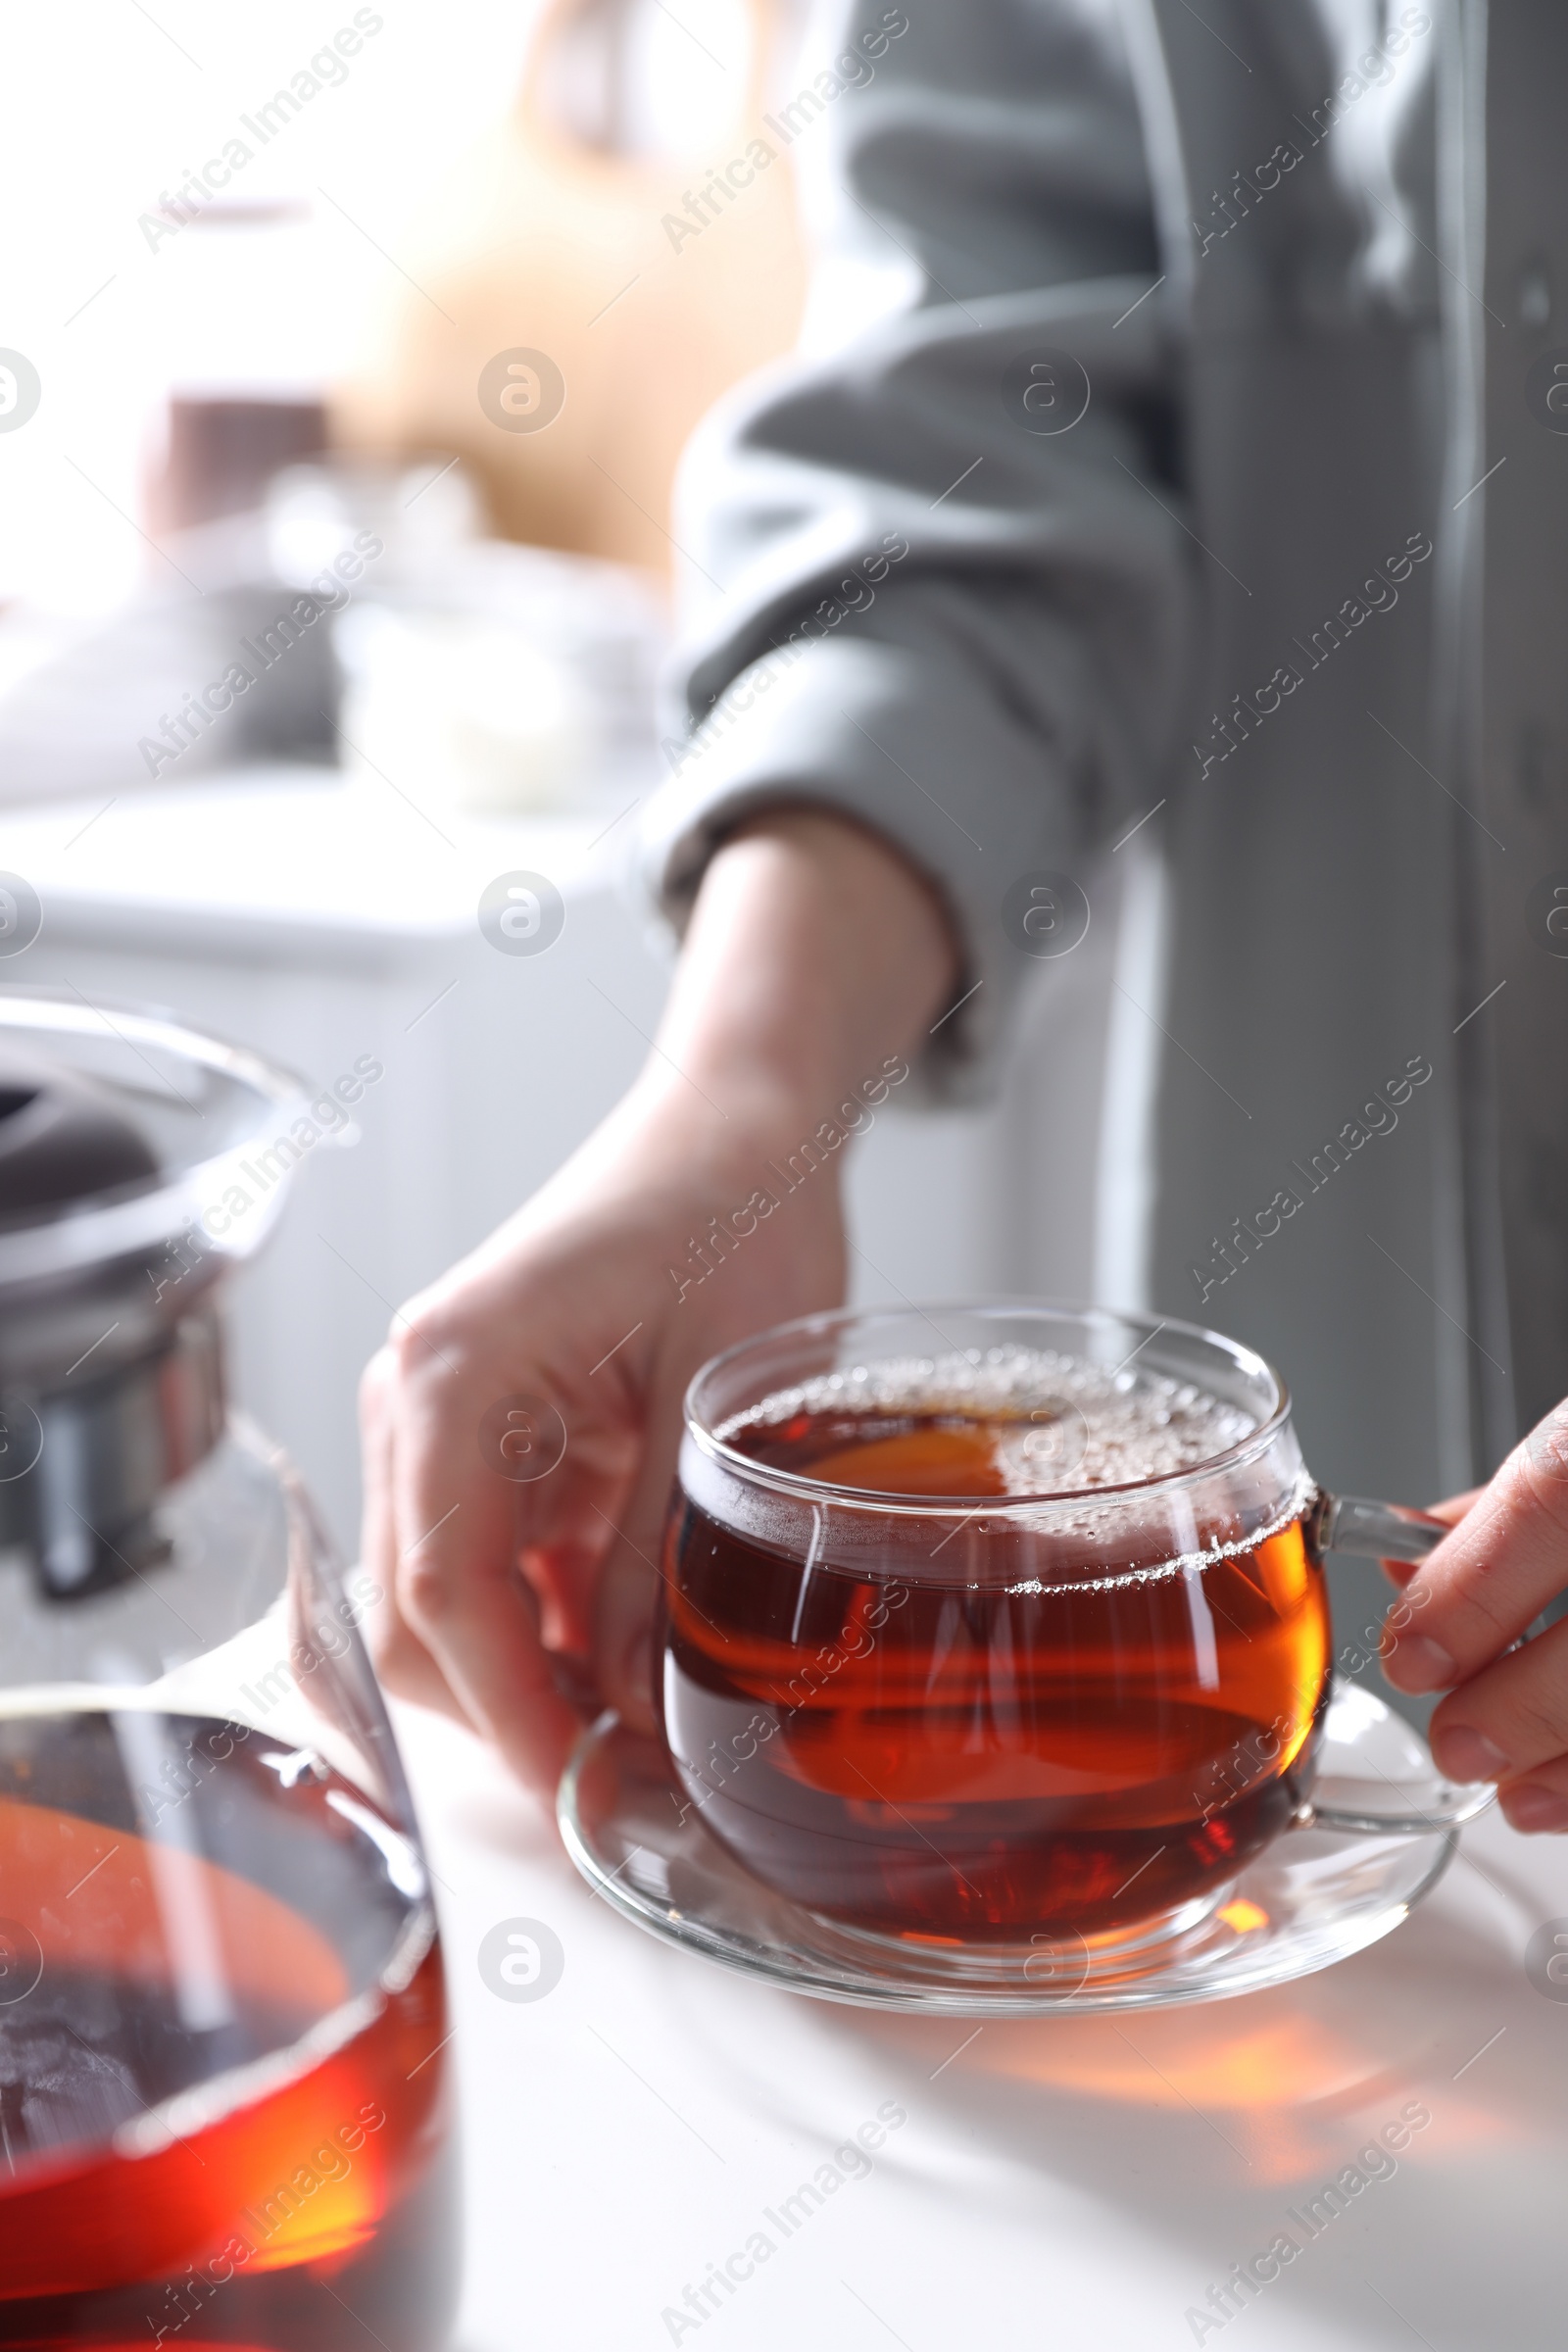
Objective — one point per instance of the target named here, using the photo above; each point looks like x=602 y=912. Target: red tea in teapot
x=222 y=2095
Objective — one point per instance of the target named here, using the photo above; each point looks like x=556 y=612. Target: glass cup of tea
x=1003 y=1627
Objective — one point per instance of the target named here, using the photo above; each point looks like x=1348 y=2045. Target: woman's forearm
x=813 y=953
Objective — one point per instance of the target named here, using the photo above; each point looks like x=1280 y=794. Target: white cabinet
x=323 y=924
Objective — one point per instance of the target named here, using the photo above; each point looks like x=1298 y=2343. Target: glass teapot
x=223 y=2100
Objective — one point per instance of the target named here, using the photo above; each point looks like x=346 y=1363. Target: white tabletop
x=1075 y=2183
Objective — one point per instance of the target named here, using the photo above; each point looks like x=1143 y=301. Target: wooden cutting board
x=552 y=239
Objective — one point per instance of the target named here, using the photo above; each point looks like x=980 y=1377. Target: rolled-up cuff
x=907 y=742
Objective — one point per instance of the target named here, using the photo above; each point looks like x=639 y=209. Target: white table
x=1075 y=2183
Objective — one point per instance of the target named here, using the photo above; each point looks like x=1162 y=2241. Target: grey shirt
x=1130 y=463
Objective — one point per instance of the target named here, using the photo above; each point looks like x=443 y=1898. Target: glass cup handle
x=1377 y=1530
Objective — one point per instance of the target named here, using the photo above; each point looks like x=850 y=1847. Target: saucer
x=1314 y=1897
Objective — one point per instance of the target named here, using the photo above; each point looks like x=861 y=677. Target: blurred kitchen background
x=267 y=276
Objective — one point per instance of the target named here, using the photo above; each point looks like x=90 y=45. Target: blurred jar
x=494 y=678
x=486 y=720
x=248 y=328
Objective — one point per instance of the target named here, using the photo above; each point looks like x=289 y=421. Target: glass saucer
x=1317 y=1894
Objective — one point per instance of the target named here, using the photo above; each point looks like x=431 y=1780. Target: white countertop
x=295 y=851
x=1076 y=2181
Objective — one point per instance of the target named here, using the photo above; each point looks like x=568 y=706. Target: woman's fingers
x=1539 y=1803
x=627 y=1598
x=1486 y=1582
x=375 y=1454
x=1504 y=1722
x=401 y=1660
x=458 y=1586
x=1505 y=1717
x=1401 y=1572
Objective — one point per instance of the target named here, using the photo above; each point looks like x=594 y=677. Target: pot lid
x=61 y=1142
x=122 y=1131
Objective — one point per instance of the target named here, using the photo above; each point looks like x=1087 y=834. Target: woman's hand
x=1505 y=1718
x=521 y=1423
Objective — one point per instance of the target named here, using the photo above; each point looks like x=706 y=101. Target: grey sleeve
x=913 y=594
